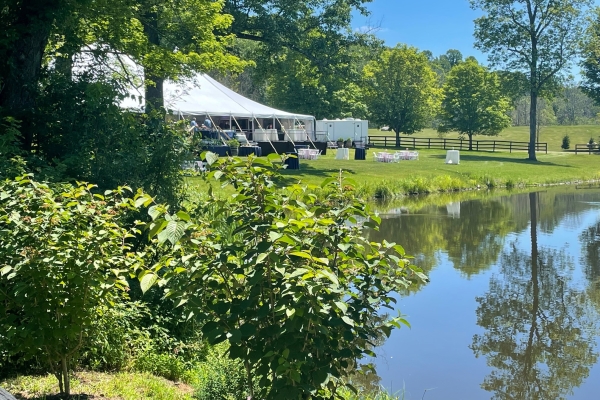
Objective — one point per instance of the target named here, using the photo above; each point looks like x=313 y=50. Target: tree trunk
x=397 y=138
x=58 y=376
x=24 y=59
x=470 y=141
x=532 y=124
x=65 y=374
x=533 y=90
x=153 y=83
x=250 y=380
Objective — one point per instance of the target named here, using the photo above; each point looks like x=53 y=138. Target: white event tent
x=204 y=96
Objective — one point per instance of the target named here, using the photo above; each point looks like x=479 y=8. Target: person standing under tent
x=193 y=126
x=208 y=123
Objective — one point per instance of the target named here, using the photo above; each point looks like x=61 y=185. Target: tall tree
x=591 y=58
x=26 y=26
x=295 y=83
x=401 y=90
x=307 y=52
x=472 y=103
x=538 y=37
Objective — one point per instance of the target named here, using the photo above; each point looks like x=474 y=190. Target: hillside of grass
x=552 y=135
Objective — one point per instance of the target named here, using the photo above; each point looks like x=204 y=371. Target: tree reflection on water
x=540 y=328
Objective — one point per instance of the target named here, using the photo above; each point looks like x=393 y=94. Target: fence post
x=510 y=147
x=494 y=147
x=414 y=143
x=477 y=144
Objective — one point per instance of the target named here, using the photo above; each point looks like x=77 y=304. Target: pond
x=512 y=309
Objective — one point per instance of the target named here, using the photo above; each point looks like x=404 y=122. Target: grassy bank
x=430 y=174
x=548 y=134
x=121 y=386
x=128 y=386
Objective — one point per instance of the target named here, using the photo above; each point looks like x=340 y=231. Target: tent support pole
x=307 y=135
x=237 y=124
x=285 y=133
x=268 y=140
x=218 y=129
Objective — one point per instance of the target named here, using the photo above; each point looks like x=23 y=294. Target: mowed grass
x=430 y=173
x=552 y=135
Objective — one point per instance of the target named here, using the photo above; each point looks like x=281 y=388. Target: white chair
x=244 y=140
x=397 y=157
x=200 y=166
x=413 y=155
x=304 y=153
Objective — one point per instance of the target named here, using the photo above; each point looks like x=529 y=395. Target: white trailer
x=332 y=130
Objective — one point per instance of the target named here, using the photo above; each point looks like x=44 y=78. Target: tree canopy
x=591 y=58
x=472 y=103
x=401 y=90
x=537 y=37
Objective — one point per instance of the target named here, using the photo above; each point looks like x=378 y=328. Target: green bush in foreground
x=64 y=255
x=291 y=284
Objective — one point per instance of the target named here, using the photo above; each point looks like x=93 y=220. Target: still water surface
x=513 y=307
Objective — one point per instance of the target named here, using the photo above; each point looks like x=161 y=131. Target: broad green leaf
x=329 y=275
x=342 y=306
x=148 y=281
x=327 y=181
x=211 y=158
x=235 y=336
x=301 y=254
x=273 y=236
x=348 y=320
x=182 y=215
x=155 y=211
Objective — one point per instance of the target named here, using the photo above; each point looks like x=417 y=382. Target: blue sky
x=435 y=25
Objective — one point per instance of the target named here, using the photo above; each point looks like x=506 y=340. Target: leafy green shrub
x=64 y=255
x=220 y=377
x=566 y=143
x=295 y=291
x=82 y=134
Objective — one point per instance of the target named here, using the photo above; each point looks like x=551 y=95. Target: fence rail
x=458 y=144
x=586 y=148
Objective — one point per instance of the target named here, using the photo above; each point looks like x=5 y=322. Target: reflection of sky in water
x=435 y=353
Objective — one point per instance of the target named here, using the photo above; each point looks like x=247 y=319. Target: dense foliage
x=472 y=103
x=401 y=90
x=539 y=38
x=285 y=277
x=64 y=254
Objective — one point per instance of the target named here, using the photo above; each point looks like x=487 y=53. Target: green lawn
x=430 y=174
x=552 y=135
